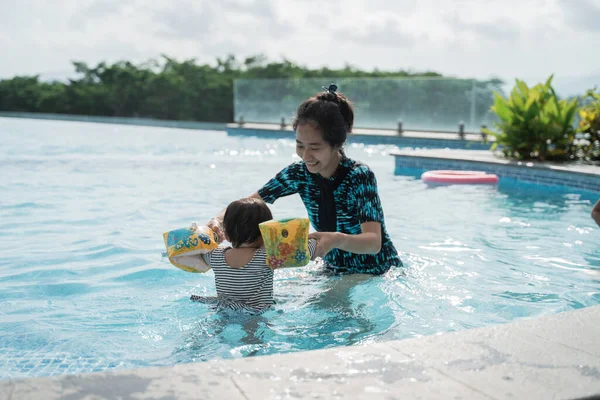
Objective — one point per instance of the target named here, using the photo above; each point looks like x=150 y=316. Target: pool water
x=83 y=285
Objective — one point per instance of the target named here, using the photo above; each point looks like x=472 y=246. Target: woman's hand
x=326 y=241
x=216 y=225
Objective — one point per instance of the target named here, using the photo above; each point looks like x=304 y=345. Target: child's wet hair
x=331 y=113
x=242 y=218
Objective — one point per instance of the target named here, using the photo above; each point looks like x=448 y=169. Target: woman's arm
x=596 y=212
x=367 y=242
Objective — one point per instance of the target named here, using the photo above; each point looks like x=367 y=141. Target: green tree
x=166 y=88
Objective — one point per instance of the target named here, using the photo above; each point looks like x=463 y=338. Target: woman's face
x=318 y=155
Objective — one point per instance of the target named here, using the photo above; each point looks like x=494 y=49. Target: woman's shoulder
x=297 y=166
x=360 y=175
x=357 y=167
x=294 y=169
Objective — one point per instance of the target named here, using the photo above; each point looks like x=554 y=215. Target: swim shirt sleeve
x=285 y=183
x=366 y=196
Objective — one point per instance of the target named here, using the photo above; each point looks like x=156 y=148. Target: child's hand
x=326 y=241
x=216 y=226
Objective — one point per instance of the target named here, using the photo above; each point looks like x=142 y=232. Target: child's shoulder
x=260 y=255
x=238 y=257
x=221 y=249
x=217 y=253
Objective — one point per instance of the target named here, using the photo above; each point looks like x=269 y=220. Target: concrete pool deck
x=221 y=126
x=413 y=139
x=550 y=357
x=357 y=132
x=275 y=131
x=489 y=157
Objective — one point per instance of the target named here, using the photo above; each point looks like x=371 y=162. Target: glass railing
x=421 y=104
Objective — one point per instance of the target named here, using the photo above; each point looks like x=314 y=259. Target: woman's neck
x=334 y=166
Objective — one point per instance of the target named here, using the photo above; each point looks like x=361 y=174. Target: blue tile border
x=538 y=174
x=369 y=139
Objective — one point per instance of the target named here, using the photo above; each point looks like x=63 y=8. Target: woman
x=340 y=194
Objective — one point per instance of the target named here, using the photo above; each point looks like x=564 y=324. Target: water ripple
x=83 y=286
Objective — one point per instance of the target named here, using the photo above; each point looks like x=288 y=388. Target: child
x=242 y=277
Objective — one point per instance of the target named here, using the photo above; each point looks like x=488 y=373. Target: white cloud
x=382 y=33
x=514 y=38
x=584 y=17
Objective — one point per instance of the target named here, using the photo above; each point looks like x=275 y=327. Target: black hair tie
x=331 y=89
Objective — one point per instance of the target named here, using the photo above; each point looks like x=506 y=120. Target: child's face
x=318 y=155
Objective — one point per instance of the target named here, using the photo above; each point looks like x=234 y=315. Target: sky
x=507 y=39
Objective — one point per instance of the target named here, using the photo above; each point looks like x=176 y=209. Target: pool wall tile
x=533 y=174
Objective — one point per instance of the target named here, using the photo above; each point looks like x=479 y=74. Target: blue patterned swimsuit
x=356 y=202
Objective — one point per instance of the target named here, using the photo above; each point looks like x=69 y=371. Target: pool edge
x=556 y=356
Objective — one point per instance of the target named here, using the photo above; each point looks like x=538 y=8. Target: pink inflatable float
x=450 y=177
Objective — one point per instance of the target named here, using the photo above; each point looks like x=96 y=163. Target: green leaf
x=501 y=108
x=523 y=88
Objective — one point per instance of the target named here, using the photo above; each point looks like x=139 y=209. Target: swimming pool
x=83 y=286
